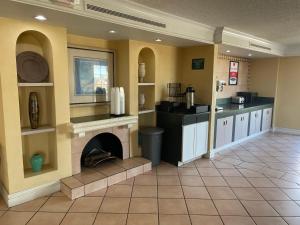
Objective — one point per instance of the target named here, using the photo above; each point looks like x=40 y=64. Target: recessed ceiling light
x=249 y=54
x=112 y=31
x=158 y=40
x=228 y=51
x=40 y=18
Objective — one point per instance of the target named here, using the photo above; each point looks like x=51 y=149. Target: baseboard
x=29 y=194
x=286 y=131
x=216 y=150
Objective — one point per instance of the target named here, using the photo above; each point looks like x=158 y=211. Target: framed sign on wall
x=233 y=72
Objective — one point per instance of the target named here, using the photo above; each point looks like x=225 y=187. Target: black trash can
x=151 y=139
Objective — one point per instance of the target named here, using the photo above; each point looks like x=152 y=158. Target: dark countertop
x=233 y=109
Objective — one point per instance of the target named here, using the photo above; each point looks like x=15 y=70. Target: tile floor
x=256 y=182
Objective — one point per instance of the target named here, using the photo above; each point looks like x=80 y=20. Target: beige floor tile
x=174 y=220
x=119 y=191
x=247 y=194
x=30 y=206
x=269 y=221
x=168 y=180
x=272 y=194
x=200 y=206
x=191 y=181
x=2 y=212
x=45 y=218
x=259 y=208
x=167 y=170
x=206 y=220
x=142 y=219
x=230 y=172
x=214 y=181
x=144 y=191
x=15 y=218
x=284 y=184
x=99 y=193
x=58 y=194
x=204 y=163
x=261 y=182
x=143 y=205
x=172 y=206
x=237 y=182
x=89 y=176
x=129 y=181
x=115 y=205
x=294 y=194
x=195 y=192
x=110 y=219
x=292 y=220
x=221 y=193
x=79 y=219
x=250 y=173
x=189 y=165
x=188 y=171
x=145 y=180
x=57 y=204
x=237 y=220
x=286 y=208
x=86 y=204
x=170 y=192
x=209 y=172
x=230 y=208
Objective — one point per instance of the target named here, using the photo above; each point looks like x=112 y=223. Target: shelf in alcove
x=44 y=129
x=146 y=84
x=45 y=169
x=146 y=111
x=35 y=84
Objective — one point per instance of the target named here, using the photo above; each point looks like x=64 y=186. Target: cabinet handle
x=241 y=118
x=224 y=123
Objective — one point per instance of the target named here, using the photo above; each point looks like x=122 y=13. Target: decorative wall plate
x=32 y=67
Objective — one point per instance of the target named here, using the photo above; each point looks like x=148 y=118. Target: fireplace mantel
x=80 y=125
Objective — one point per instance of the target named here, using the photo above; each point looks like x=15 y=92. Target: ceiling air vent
x=123 y=15
x=260 y=46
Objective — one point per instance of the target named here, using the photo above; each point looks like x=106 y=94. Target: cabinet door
x=267 y=119
x=238 y=127
x=220 y=138
x=258 y=121
x=244 y=129
x=228 y=130
x=201 y=138
x=188 y=142
x=252 y=129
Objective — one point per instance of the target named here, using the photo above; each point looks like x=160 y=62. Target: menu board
x=233 y=72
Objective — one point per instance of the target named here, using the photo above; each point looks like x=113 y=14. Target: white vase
x=142 y=101
x=142 y=72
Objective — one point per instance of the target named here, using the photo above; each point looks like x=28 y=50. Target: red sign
x=233 y=72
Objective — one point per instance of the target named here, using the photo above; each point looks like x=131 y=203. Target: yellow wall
x=222 y=73
x=13 y=176
x=263 y=76
x=288 y=93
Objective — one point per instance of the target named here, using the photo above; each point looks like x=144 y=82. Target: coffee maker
x=189 y=95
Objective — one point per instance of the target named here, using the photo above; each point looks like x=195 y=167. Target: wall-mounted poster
x=233 y=72
x=198 y=64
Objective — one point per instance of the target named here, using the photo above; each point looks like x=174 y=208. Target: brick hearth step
x=107 y=174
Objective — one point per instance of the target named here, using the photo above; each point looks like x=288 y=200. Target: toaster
x=238 y=100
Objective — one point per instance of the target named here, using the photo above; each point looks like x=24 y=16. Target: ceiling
x=274 y=20
x=85 y=26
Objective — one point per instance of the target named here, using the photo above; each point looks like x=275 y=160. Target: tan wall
x=11 y=142
x=263 y=76
x=222 y=73
x=288 y=93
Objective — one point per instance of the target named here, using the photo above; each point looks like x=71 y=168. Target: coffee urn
x=189 y=94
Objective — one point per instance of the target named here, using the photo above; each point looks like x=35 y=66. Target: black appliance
x=248 y=96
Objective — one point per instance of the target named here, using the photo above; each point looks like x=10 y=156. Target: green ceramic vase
x=37 y=162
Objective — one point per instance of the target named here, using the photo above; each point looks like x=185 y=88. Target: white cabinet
x=188 y=142
x=224 y=131
x=267 y=119
x=255 y=122
x=201 y=138
x=241 y=126
x=194 y=140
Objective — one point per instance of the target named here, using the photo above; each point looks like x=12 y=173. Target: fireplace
x=111 y=142
x=101 y=148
